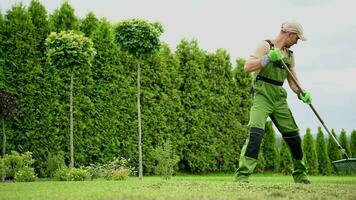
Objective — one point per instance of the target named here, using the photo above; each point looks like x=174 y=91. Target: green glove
x=305 y=97
x=275 y=55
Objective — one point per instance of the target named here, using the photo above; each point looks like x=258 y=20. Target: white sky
x=326 y=63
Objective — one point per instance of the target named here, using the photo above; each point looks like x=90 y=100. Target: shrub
x=78 y=174
x=15 y=162
x=166 y=160
x=2 y=170
x=71 y=174
x=118 y=169
x=26 y=174
x=62 y=174
x=118 y=174
x=53 y=163
x=95 y=171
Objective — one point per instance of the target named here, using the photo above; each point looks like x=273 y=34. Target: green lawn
x=186 y=187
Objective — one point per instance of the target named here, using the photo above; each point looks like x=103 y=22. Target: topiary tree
x=310 y=153
x=70 y=50
x=140 y=39
x=323 y=158
x=7 y=108
x=353 y=143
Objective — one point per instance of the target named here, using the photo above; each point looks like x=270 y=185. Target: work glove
x=273 y=55
x=305 y=97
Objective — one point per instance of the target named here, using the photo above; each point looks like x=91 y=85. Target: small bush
x=71 y=174
x=118 y=174
x=118 y=169
x=53 y=163
x=26 y=174
x=2 y=170
x=166 y=160
x=78 y=174
x=95 y=171
x=13 y=163
x=62 y=174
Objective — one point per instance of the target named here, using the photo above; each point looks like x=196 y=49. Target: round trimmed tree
x=72 y=53
x=140 y=39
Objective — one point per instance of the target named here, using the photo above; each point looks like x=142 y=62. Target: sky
x=325 y=64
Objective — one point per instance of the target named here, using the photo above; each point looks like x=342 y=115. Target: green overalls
x=270 y=101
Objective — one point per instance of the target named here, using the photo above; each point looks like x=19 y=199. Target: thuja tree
x=344 y=142
x=72 y=53
x=310 y=153
x=160 y=104
x=22 y=75
x=2 y=53
x=40 y=21
x=222 y=104
x=322 y=154
x=64 y=19
x=269 y=149
x=285 y=163
x=7 y=109
x=353 y=143
x=89 y=24
x=333 y=151
x=139 y=38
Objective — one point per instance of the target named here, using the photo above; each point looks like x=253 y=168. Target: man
x=270 y=100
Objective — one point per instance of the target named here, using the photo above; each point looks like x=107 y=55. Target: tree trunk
x=3 y=137
x=71 y=122
x=140 y=171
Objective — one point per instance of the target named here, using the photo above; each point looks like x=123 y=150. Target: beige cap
x=294 y=27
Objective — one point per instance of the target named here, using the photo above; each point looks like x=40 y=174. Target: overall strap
x=270 y=44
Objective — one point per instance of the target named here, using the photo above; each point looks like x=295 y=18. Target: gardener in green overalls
x=269 y=100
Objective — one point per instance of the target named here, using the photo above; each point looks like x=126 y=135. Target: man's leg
x=295 y=145
x=284 y=121
x=249 y=153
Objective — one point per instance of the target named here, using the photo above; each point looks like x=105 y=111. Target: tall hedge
x=23 y=79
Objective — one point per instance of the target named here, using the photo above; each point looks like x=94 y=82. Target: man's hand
x=275 y=55
x=305 y=97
